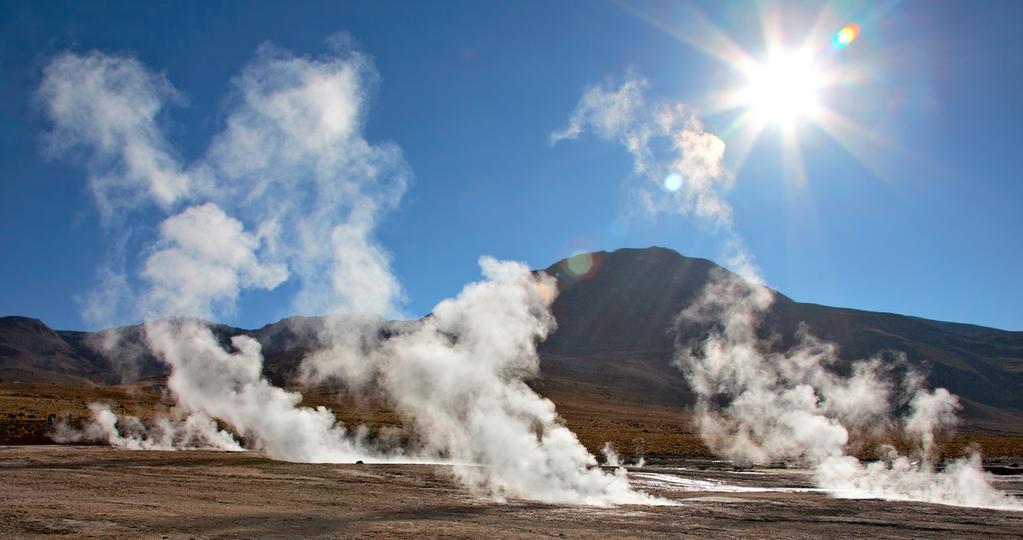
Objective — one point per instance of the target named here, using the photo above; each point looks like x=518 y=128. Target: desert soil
x=92 y=491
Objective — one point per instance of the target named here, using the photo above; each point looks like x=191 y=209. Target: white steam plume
x=611 y=457
x=291 y=167
x=293 y=159
x=107 y=106
x=291 y=190
x=230 y=386
x=755 y=404
x=458 y=377
x=193 y=431
x=202 y=260
x=678 y=161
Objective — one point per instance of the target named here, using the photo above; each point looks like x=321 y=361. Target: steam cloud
x=291 y=190
x=458 y=376
x=623 y=115
x=755 y=404
x=195 y=430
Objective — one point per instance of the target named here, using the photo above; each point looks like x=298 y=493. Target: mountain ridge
x=615 y=314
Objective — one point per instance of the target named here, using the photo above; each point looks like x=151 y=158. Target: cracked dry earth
x=92 y=491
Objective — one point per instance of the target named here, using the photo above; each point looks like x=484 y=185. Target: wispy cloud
x=609 y=112
x=295 y=127
x=106 y=109
x=679 y=164
x=291 y=176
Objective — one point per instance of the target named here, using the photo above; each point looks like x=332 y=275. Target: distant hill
x=613 y=344
x=30 y=351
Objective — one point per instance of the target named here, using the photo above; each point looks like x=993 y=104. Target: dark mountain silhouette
x=614 y=341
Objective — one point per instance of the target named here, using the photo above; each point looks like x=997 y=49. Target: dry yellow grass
x=27 y=410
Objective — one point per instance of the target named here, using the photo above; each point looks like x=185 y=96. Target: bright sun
x=784 y=89
x=795 y=84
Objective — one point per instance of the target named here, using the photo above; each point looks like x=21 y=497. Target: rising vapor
x=293 y=127
x=458 y=377
x=756 y=404
x=291 y=190
x=684 y=151
x=176 y=432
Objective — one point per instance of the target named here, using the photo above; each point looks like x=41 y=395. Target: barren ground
x=89 y=491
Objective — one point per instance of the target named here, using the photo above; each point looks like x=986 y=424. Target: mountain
x=31 y=351
x=614 y=324
x=613 y=344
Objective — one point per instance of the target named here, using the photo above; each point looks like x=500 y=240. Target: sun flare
x=792 y=83
x=783 y=89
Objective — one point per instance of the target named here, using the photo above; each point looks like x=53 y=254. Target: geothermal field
x=101 y=492
x=105 y=488
x=351 y=269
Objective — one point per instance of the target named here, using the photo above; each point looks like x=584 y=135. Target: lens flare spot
x=673 y=182
x=580 y=263
x=844 y=37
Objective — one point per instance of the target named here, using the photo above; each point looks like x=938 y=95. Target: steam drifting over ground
x=457 y=376
x=194 y=431
x=291 y=190
x=756 y=404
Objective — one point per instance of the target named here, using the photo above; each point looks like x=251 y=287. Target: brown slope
x=32 y=352
x=614 y=332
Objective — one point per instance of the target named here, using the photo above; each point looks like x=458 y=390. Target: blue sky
x=922 y=217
